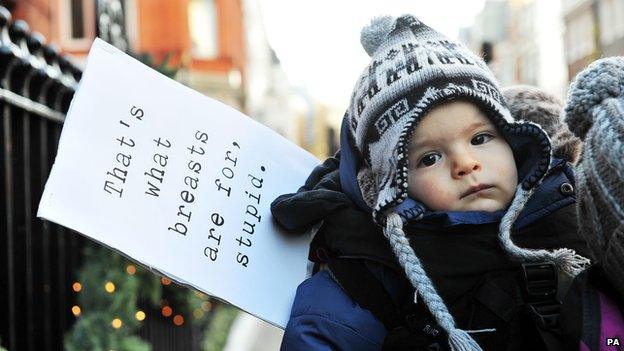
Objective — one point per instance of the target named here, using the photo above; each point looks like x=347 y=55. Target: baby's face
x=458 y=161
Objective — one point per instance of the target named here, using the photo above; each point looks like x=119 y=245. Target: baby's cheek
x=503 y=172
x=508 y=173
x=505 y=163
x=436 y=195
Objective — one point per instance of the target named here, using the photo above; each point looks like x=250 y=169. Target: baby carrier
x=525 y=316
x=527 y=307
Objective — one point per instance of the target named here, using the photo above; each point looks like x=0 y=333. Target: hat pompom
x=601 y=80
x=375 y=33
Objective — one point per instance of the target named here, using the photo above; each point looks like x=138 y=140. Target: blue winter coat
x=323 y=316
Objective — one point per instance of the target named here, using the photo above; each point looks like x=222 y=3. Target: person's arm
x=323 y=317
x=314 y=332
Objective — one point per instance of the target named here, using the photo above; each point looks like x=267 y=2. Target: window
x=77 y=20
x=611 y=20
x=607 y=21
x=203 y=29
x=580 y=37
x=587 y=35
x=618 y=18
x=77 y=23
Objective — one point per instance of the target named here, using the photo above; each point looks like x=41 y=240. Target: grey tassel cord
x=459 y=340
x=566 y=259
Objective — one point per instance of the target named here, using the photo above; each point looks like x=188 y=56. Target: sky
x=318 y=41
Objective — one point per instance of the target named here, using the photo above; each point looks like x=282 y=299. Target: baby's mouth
x=475 y=189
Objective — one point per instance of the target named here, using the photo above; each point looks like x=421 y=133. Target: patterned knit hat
x=413 y=69
x=595 y=113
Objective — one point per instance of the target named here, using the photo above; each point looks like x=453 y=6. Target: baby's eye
x=481 y=138
x=428 y=160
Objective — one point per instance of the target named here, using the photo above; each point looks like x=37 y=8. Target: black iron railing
x=37 y=258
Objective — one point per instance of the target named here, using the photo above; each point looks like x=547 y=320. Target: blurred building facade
x=488 y=36
x=268 y=93
x=203 y=37
x=521 y=42
x=593 y=29
x=219 y=46
x=273 y=101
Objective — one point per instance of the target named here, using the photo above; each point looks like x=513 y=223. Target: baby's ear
x=533 y=104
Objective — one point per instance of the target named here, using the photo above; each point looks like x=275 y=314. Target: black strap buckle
x=540 y=289
x=540 y=281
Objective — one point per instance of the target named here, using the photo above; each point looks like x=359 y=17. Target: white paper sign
x=180 y=183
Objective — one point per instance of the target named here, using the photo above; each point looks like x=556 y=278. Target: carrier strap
x=540 y=283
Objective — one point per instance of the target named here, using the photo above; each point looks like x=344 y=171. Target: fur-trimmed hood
x=538 y=106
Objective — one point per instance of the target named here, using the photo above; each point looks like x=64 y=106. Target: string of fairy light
x=166 y=310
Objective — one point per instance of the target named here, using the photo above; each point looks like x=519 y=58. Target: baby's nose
x=466 y=167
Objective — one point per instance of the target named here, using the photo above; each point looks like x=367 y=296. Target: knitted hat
x=413 y=69
x=595 y=113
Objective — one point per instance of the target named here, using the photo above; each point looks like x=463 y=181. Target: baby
x=419 y=207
